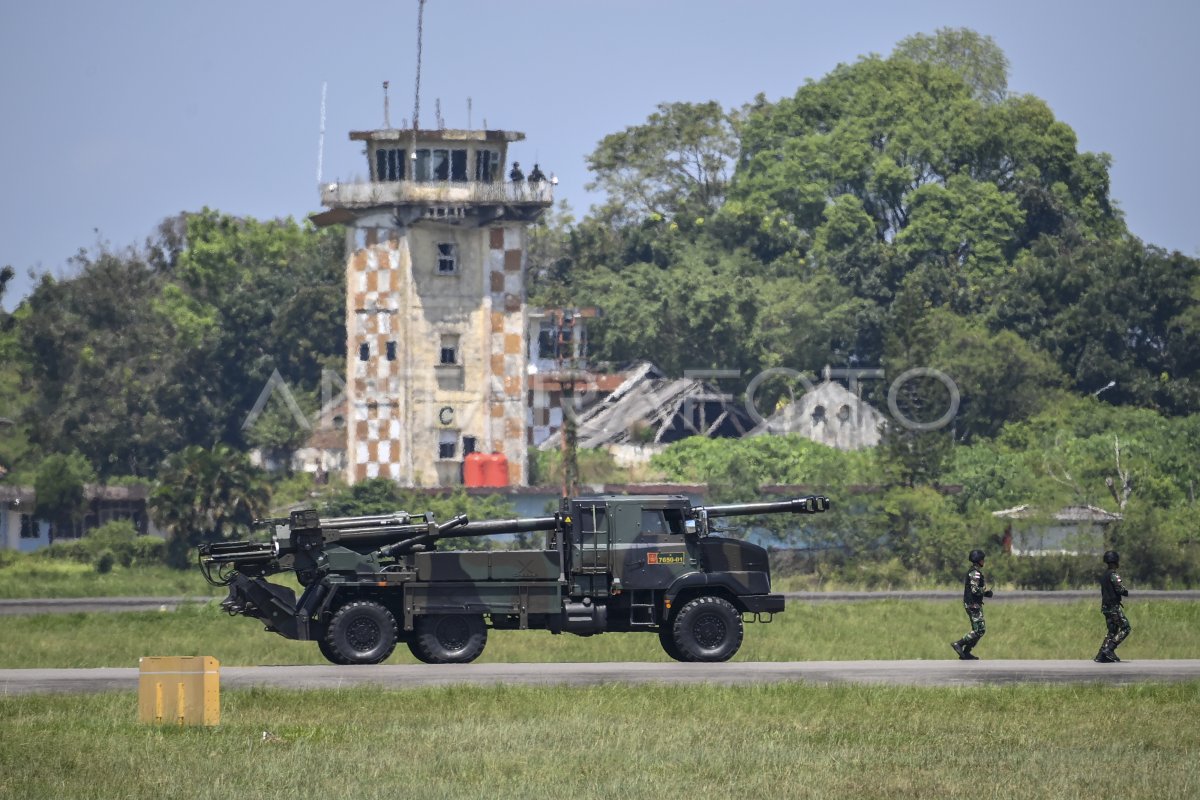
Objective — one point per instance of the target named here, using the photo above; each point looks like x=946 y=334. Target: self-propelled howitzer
x=610 y=563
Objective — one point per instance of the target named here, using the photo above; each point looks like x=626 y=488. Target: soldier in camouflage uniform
x=1111 y=592
x=974 y=590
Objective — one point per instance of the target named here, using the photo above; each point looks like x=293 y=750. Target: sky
x=114 y=116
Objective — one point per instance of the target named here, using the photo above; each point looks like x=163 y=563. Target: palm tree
x=206 y=496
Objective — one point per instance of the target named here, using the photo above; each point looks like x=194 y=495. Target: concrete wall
x=10 y=532
x=399 y=409
x=831 y=415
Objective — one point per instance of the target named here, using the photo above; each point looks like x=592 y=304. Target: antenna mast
x=321 y=135
x=417 y=89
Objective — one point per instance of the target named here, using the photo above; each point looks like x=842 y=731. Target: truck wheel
x=361 y=632
x=666 y=637
x=707 y=629
x=330 y=654
x=448 y=638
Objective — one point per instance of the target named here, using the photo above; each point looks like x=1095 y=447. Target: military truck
x=651 y=563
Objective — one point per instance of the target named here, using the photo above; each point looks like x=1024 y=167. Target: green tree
x=674 y=166
x=694 y=312
x=997 y=377
x=15 y=450
x=258 y=296
x=206 y=495
x=1112 y=311
x=731 y=467
x=978 y=59
x=923 y=529
x=60 y=484
x=146 y=351
x=97 y=367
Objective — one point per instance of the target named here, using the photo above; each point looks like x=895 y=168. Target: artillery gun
x=649 y=563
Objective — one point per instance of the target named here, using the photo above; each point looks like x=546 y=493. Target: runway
x=408 y=676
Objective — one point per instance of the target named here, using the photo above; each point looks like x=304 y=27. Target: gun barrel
x=369 y=521
x=499 y=526
x=812 y=504
x=242 y=552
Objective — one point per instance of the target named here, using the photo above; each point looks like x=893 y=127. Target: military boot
x=1112 y=655
x=1102 y=657
x=964 y=652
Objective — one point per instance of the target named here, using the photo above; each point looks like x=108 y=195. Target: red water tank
x=473 y=470
x=495 y=470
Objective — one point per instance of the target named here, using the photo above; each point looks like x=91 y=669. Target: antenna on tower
x=468 y=113
x=387 y=122
x=321 y=135
x=417 y=89
x=437 y=114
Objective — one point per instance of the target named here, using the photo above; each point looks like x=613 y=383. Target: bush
x=147 y=551
x=1158 y=546
x=119 y=539
x=877 y=575
x=104 y=561
x=66 y=551
x=1052 y=571
x=595 y=466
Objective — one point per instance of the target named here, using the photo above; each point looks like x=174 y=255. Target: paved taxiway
x=406 y=676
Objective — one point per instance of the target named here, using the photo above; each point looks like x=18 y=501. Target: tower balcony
x=373 y=194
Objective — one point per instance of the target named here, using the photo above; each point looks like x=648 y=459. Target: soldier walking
x=974 y=590
x=1111 y=592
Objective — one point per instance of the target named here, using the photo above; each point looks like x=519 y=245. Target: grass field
x=43 y=578
x=883 y=629
x=771 y=741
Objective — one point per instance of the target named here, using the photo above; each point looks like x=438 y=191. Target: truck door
x=659 y=553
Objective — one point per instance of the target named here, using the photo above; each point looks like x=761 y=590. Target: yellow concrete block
x=179 y=690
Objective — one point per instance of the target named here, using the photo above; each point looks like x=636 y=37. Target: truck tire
x=331 y=655
x=666 y=637
x=707 y=629
x=448 y=638
x=361 y=632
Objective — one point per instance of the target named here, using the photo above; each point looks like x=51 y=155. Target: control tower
x=437 y=349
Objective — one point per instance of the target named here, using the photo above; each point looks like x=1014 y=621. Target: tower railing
x=364 y=194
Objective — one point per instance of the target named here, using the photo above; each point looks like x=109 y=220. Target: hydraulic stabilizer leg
x=254 y=597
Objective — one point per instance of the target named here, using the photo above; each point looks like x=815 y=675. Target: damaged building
x=829 y=414
x=648 y=411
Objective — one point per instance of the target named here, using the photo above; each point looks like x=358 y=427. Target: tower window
x=389 y=164
x=391 y=351
x=449 y=349
x=447 y=444
x=364 y=351
x=447 y=258
x=441 y=165
x=487 y=165
x=458 y=165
